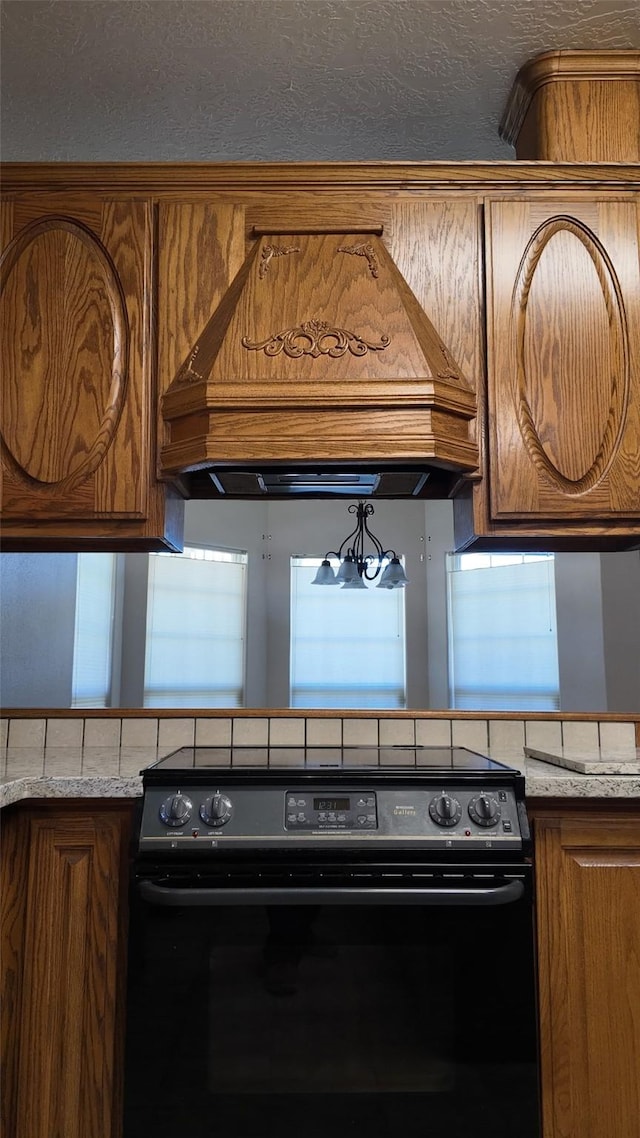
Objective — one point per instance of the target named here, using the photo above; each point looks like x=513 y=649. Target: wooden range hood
x=320 y=355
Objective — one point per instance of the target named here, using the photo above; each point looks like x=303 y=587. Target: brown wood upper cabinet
x=563 y=324
x=110 y=276
x=78 y=419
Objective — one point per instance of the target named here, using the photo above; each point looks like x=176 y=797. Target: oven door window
x=332 y=1020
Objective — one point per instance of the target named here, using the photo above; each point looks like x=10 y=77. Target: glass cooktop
x=445 y=759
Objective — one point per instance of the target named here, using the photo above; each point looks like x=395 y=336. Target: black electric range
x=210 y=800
x=332 y=940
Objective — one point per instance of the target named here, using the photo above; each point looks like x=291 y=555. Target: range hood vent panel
x=285 y=483
x=319 y=352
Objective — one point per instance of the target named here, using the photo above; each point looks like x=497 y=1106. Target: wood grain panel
x=564 y=360
x=64 y=351
x=67 y=1044
x=576 y=106
x=322 y=283
x=124 y=484
x=436 y=245
x=572 y=355
x=583 y=122
x=85 y=208
x=363 y=435
x=588 y=895
x=201 y=248
x=13 y=889
x=294 y=212
x=178 y=180
x=79 y=419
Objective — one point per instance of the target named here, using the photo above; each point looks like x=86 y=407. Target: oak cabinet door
x=588 y=897
x=78 y=410
x=563 y=316
x=64 y=954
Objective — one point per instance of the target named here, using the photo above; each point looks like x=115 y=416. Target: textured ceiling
x=206 y=80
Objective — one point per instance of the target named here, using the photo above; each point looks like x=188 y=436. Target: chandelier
x=356 y=565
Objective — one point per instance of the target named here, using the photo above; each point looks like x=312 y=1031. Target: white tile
x=25 y=762
x=580 y=737
x=543 y=734
x=358 y=756
x=397 y=732
x=286 y=757
x=250 y=732
x=360 y=732
x=330 y=757
x=324 y=732
x=471 y=733
x=103 y=762
x=286 y=732
x=213 y=732
x=131 y=760
x=27 y=732
x=176 y=732
x=396 y=756
x=65 y=732
x=62 y=762
x=102 y=732
x=251 y=757
x=506 y=734
x=433 y=732
x=618 y=739
x=139 y=732
x=4 y=732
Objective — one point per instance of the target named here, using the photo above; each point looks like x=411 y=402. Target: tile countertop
x=110 y=772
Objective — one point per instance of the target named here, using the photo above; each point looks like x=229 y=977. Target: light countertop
x=589 y=761
x=111 y=772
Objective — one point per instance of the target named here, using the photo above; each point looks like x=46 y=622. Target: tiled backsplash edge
x=176 y=728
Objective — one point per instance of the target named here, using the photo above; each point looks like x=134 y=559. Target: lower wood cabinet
x=63 y=968
x=64 y=930
x=588 y=917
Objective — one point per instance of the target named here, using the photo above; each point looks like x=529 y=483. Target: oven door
x=341 y=1002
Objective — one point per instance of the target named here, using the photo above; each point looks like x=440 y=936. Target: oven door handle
x=322 y=895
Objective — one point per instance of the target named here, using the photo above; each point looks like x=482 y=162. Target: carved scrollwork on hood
x=449 y=369
x=271 y=251
x=315 y=338
x=365 y=249
x=187 y=373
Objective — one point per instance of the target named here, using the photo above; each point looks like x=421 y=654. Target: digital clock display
x=331 y=803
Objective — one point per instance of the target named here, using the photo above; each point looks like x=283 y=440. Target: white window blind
x=93 y=635
x=503 y=650
x=347 y=645
x=196 y=616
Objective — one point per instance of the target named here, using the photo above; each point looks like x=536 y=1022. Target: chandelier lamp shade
x=356 y=565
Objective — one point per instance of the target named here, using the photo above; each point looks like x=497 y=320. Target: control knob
x=216 y=810
x=445 y=810
x=176 y=810
x=484 y=810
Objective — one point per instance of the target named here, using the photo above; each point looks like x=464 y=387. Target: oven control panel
x=473 y=816
x=304 y=811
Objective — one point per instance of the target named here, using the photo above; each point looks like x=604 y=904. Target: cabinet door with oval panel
x=78 y=437
x=563 y=315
